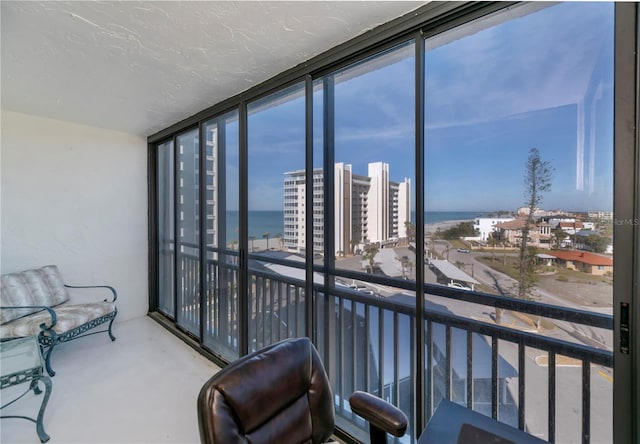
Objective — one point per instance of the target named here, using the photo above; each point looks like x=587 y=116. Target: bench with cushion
x=37 y=303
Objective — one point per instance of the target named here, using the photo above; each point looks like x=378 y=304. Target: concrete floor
x=142 y=388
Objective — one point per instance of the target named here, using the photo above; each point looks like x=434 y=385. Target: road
x=568 y=413
x=505 y=285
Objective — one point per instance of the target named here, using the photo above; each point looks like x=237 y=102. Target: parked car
x=458 y=286
x=464 y=250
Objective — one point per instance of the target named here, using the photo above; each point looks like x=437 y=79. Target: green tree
x=595 y=243
x=537 y=180
x=558 y=236
x=370 y=251
x=266 y=236
x=462 y=229
x=411 y=231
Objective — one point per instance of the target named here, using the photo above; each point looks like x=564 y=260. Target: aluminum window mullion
x=469 y=378
x=328 y=188
x=420 y=413
x=243 y=266
x=176 y=231
x=521 y=385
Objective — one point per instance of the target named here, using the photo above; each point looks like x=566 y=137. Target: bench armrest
x=113 y=290
x=52 y=313
x=379 y=413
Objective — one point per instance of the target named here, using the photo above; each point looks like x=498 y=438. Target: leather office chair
x=281 y=394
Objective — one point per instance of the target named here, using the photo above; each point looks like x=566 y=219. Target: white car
x=458 y=286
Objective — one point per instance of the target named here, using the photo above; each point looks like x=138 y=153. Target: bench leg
x=47 y=360
x=113 y=338
x=39 y=426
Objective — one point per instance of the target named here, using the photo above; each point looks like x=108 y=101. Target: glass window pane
x=276 y=184
x=519 y=188
x=188 y=273
x=374 y=169
x=221 y=274
x=166 y=236
x=366 y=329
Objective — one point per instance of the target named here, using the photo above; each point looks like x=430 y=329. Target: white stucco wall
x=75 y=196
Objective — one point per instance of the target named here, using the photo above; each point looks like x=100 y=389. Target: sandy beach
x=261 y=244
x=276 y=243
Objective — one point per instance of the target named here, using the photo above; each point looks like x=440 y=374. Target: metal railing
x=368 y=343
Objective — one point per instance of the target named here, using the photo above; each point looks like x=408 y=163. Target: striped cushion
x=69 y=317
x=43 y=286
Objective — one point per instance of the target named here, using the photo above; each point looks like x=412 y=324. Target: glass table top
x=19 y=355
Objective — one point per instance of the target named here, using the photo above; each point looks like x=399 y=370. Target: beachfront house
x=584 y=261
x=143 y=142
x=511 y=231
x=487 y=225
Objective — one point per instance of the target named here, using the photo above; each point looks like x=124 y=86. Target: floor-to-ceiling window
x=368 y=153
x=519 y=203
x=221 y=329
x=276 y=216
x=472 y=164
x=188 y=231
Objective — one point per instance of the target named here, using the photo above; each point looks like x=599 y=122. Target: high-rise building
x=367 y=209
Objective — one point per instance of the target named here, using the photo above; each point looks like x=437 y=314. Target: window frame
x=429 y=20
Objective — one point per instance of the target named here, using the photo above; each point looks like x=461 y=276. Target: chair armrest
x=113 y=290
x=52 y=313
x=379 y=413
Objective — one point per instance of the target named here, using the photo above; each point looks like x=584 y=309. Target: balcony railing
x=368 y=343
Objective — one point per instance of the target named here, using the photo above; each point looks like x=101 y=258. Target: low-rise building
x=539 y=233
x=487 y=225
x=584 y=261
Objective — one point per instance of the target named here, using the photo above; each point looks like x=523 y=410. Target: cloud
x=548 y=63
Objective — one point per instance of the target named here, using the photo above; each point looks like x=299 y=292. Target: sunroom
x=246 y=172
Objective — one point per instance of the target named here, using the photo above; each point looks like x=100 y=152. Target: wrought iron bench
x=37 y=303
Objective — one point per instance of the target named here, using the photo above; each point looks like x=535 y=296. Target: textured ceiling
x=139 y=67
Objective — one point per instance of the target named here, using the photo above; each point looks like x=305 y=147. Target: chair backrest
x=275 y=395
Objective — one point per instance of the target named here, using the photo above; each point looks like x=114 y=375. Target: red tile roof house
x=584 y=261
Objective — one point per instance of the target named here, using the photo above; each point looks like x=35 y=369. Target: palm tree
x=252 y=238
x=266 y=236
x=493 y=241
x=280 y=240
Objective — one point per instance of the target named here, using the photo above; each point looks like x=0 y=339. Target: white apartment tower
x=378 y=196
x=366 y=208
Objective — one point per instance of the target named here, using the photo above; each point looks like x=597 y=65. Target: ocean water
x=272 y=222
x=260 y=222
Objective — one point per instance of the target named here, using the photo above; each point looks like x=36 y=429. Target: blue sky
x=543 y=80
